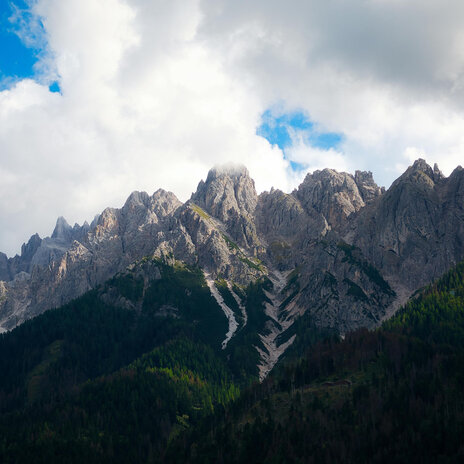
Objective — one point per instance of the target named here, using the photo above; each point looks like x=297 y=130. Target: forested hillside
x=134 y=372
x=389 y=395
x=96 y=382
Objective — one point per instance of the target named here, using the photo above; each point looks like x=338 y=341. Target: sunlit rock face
x=229 y=195
x=336 y=195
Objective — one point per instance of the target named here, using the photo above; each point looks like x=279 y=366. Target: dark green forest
x=96 y=381
x=390 y=395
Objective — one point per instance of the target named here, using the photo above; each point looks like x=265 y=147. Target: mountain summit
x=228 y=191
x=229 y=195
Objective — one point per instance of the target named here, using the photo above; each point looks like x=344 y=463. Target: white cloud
x=155 y=93
x=143 y=106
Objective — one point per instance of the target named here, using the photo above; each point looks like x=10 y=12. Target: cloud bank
x=155 y=93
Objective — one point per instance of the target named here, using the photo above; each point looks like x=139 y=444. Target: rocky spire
x=228 y=190
x=229 y=195
x=437 y=174
x=366 y=185
x=28 y=250
x=63 y=231
x=420 y=172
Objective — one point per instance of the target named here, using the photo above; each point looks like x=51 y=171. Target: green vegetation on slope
x=92 y=382
x=390 y=395
x=199 y=211
x=184 y=288
x=126 y=416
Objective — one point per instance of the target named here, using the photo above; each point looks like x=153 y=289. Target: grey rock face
x=229 y=195
x=22 y=263
x=286 y=228
x=41 y=252
x=341 y=289
x=29 y=250
x=4 y=268
x=227 y=189
x=414 y=232
x=368 y=189
x=352 y=251
x=63 y=231
x=333 y=194
x=61 y=270
x=437 y=174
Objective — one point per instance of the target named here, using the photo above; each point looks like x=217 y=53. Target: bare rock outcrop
x=368 y=189
x=333 y=194
x=229 y=195
x=414 y=232
x=64 y=267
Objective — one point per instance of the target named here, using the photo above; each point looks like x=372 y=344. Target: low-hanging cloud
x=155 y=93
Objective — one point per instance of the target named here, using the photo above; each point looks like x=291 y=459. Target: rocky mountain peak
x=159 y=201
x=142 y=211
x=334 y=194
x=63 y=231
x=164 y=203
x=85 y=227
x=107 y=222
x=421 y=174
x=421 y=165
x=136 y=199
x=229 y=195
x=28 y=250
x=228 y=190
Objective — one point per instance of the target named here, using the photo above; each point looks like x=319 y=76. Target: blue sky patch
x=55 y=87
x=281 y=129
x=325 y=141
x=297 y=167
x=17 y=59
x=276 y=128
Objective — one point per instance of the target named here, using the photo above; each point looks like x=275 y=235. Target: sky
x=98 y=99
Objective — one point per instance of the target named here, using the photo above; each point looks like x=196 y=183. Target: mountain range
x=338 y=249
x=236 y=327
